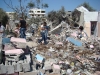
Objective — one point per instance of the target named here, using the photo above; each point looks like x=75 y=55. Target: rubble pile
x=65 y=54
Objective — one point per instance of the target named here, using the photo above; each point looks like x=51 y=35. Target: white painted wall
x=36 y=12
x=90 y=16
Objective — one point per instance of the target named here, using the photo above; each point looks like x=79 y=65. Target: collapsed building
x=65 y=54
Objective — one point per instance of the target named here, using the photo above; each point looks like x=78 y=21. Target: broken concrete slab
x=3 y=69
x=31 y=44
x=29 y=73
x=56 y=68
x=10 y=69
x=14 y=52
x=19 y=40
x=26 y=67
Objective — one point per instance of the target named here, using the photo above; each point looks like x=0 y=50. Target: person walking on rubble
x=22 y=28
x=43 y=35
x=46 y=30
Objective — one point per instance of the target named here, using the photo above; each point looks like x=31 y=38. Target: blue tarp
x=74 y=41
x=5 y=40
x=39 y=57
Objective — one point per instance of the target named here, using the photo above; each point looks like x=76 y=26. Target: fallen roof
x=82 y=9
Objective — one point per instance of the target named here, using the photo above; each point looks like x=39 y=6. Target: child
x=16 y=31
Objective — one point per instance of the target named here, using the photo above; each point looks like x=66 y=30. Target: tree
x=87 y=5
x=31 y=5
x=21 y=9
x=56 y=16
x=3 y=18
x=45 y=5
x=38 y=3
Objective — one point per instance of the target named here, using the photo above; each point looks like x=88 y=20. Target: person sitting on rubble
x=81 y=34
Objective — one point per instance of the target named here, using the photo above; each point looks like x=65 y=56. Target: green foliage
x=38 y=3
x=76 y=16
x=31 y=4
x=3 y=18
x=56 y=16
x=45 y=5
x=87 y=5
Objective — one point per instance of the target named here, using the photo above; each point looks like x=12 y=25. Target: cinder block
x=53 y=74
x=56 y=68
x=16 y=73
x=48 y=67
x=28 y=58
x=3 y=69
x=10 y=69
x=26 y=67
x=29 y=73
x=17 y=67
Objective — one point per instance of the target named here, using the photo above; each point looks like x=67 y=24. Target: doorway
x=93 y=27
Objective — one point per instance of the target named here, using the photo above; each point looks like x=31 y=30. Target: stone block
x=14 y=51
x=3 y=69
x=48 y=67
x=18 y=40
x=26 y=67
x=31 y=44
x=17 y=67
x=29 y=73
x=28 y=58
x=56 y=68
x=53 y=74
x=10 y=69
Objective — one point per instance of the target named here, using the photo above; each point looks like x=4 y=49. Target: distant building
x=11 y=15
x=69 y=14
x=35 y=12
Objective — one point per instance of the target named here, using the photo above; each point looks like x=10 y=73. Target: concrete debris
x=65 y=54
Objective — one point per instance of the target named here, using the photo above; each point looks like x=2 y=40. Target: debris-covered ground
x=65 y=54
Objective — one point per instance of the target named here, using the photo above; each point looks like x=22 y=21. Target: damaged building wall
x=87 y=29
x=88 y=18
x=98 y=30
x=81 y=22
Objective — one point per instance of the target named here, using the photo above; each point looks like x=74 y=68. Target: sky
x=69 y=5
